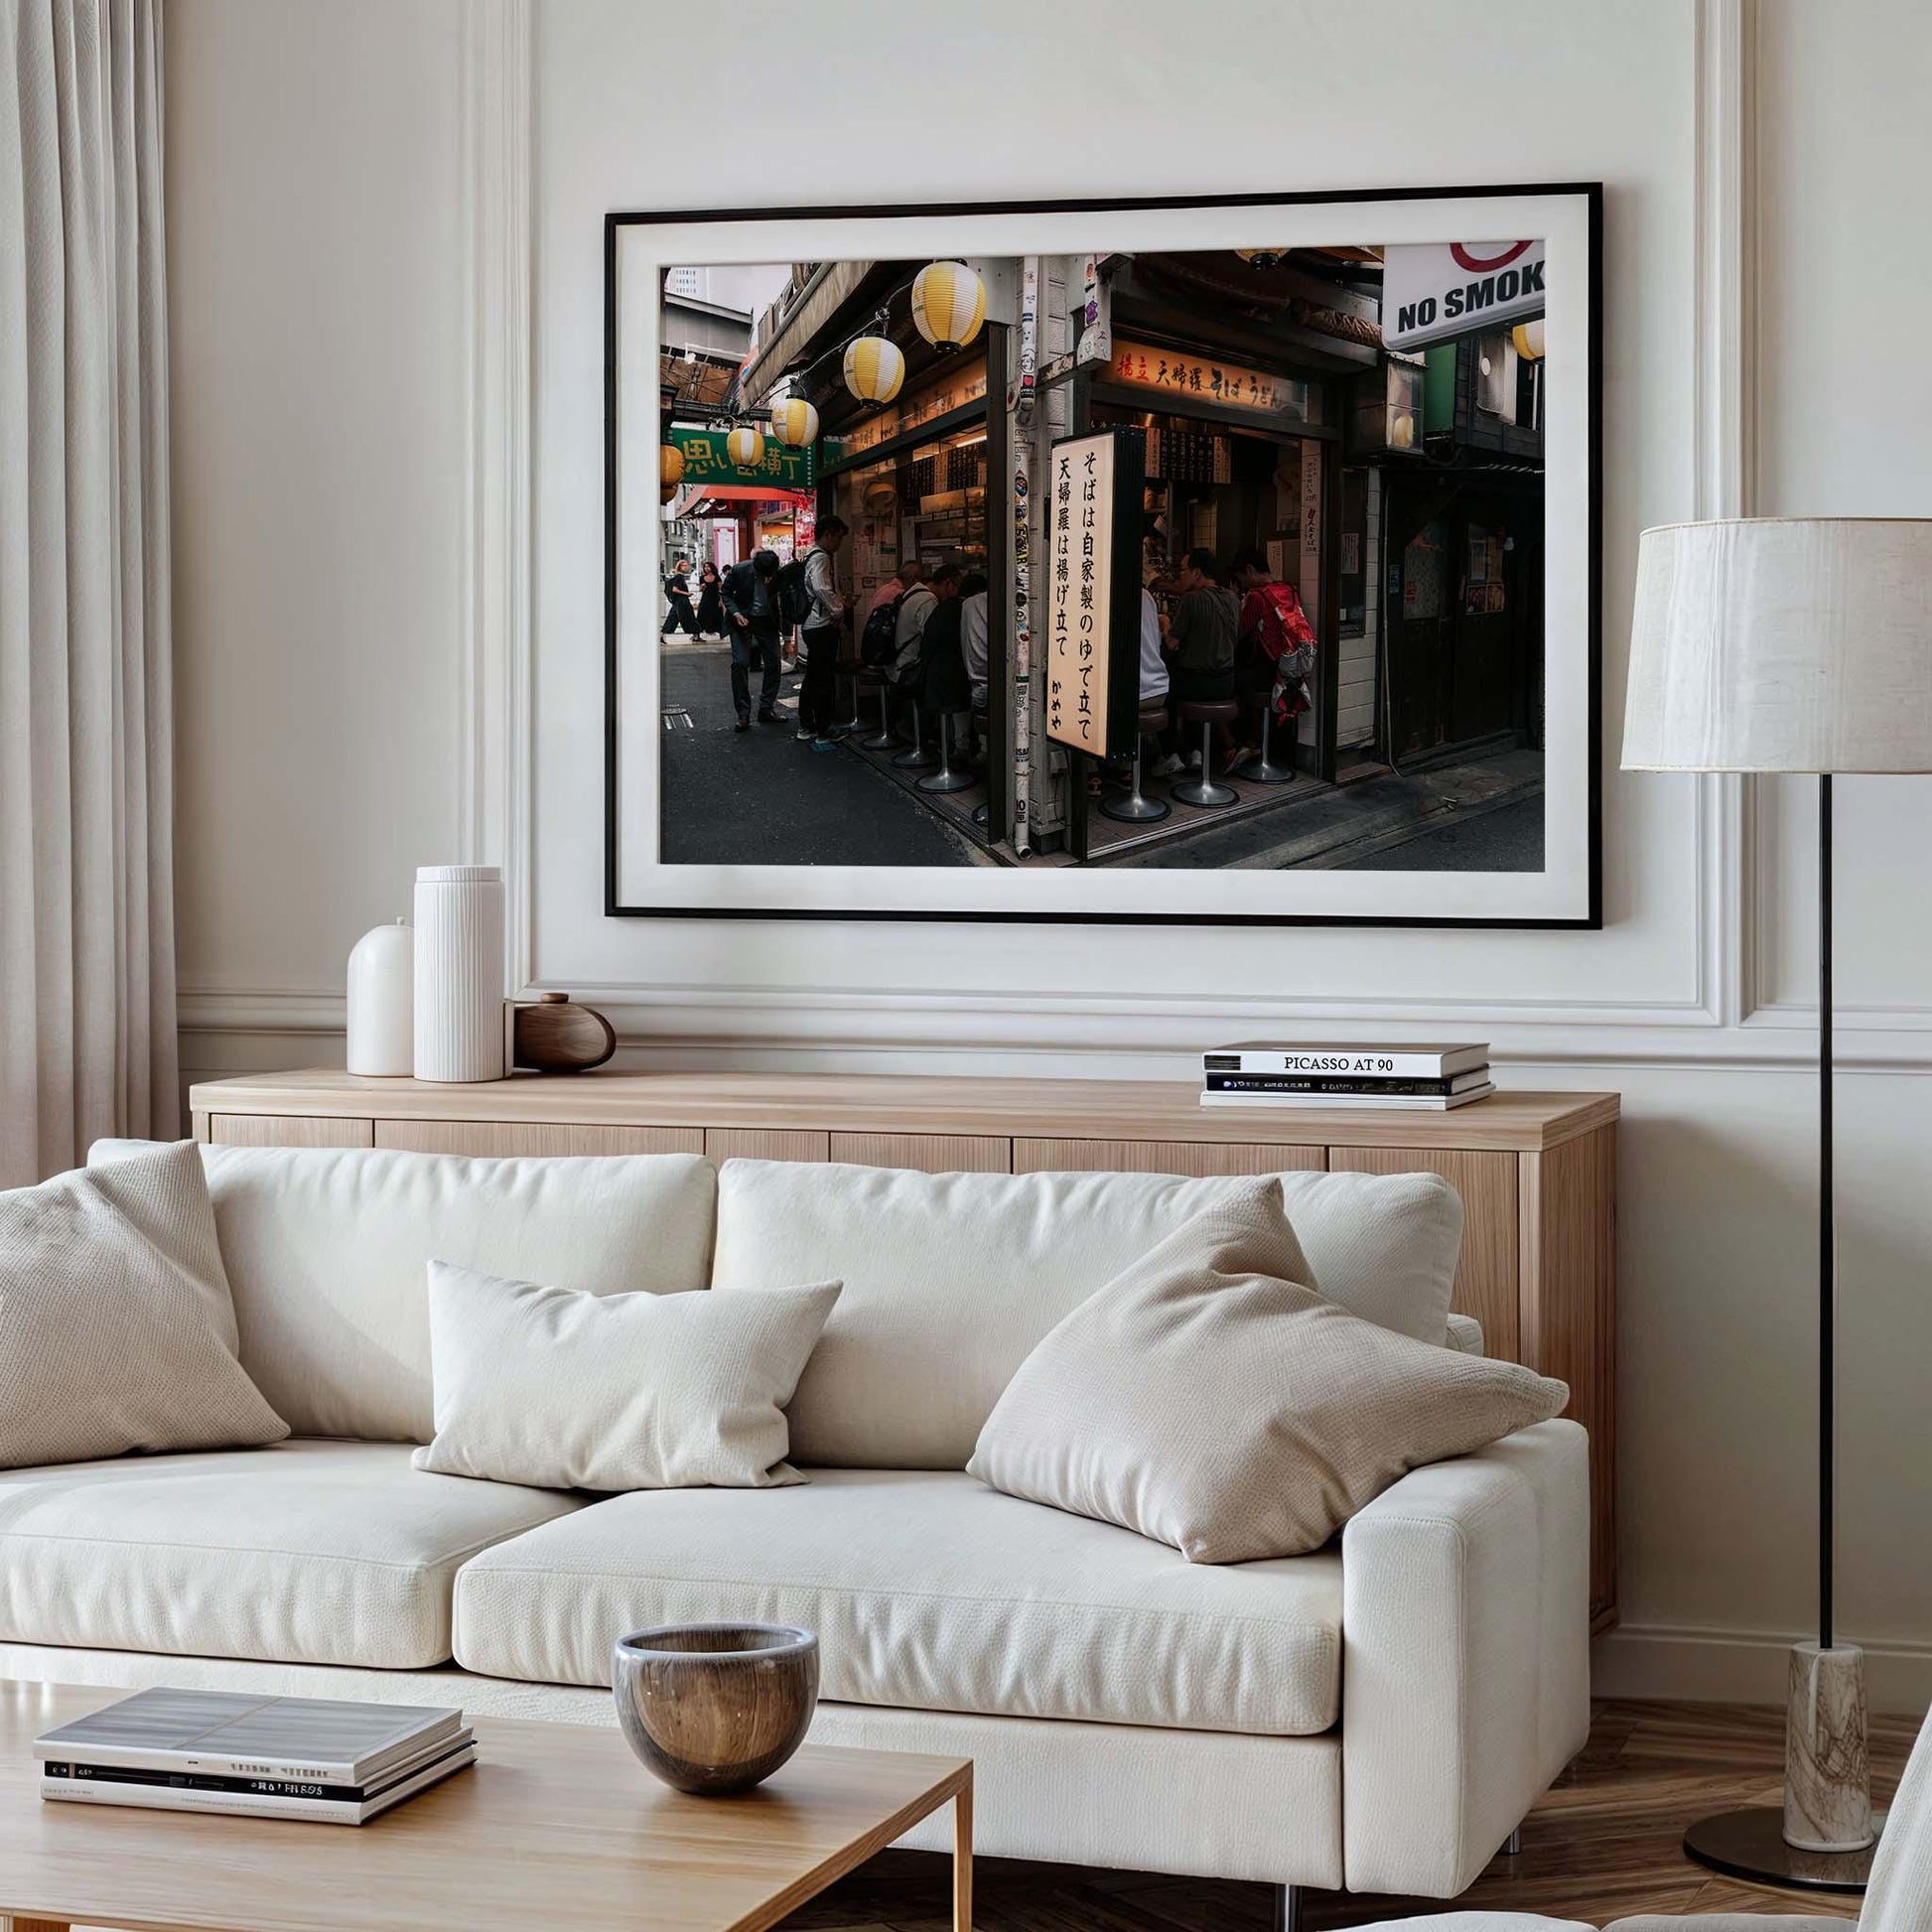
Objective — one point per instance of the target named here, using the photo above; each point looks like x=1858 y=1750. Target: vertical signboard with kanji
x=1093 y=604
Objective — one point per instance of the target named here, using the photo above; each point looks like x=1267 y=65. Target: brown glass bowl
x=715 y=1708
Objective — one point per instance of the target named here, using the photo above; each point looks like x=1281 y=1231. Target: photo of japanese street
x=1322 y=637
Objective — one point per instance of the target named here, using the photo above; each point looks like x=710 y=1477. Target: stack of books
x=1422 y=1080
x=266 y=1757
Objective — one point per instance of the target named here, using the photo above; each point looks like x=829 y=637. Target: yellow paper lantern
x=794 y=422
x=874 y=368
x=746 y=447
x=1528 y=337
x=670 y=464
x=665 y=492
x=1262 y=257
x=949 y=303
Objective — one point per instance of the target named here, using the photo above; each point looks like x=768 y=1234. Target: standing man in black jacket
x=750 y=600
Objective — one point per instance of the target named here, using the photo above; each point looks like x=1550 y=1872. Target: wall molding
x=495 y=660
x=1681 y=1663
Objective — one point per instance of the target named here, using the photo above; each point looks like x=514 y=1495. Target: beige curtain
x=86 y=878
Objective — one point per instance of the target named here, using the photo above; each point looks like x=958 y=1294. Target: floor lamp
x=1793 y=644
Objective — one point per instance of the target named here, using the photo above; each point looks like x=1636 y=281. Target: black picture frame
x=1593 y=195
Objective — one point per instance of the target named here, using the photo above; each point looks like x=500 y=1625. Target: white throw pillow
x=559 y=1389
x=951 y=1279
x=1206 y=1399
x=116 y=1327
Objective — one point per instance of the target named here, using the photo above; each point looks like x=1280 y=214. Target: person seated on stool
x=1272 y=621
x=939 y=680
x=1201 y=650
x=973 y=589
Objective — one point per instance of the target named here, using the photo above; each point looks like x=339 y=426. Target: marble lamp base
x=1822 y=1841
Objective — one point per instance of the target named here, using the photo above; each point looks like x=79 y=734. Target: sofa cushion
x=317 y=1553
x=929 y=1591
x=951 y=1279
x=328 y=1253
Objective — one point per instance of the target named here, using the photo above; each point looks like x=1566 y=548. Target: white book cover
x=1359 y=1059
x=231 y=1735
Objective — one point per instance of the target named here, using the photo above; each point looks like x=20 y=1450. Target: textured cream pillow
x=116 y=1329
x=561 y=1389
x=1207 y=1400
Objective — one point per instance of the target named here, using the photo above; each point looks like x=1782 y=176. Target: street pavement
x=761 y=799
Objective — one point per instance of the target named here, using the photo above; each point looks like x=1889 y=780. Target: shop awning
x=727 y=500
x=827 y=289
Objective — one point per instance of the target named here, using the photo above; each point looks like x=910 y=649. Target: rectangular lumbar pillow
x=116 y=1327
x=1205 y=1398
x=560 y=1389
x=960 y=1274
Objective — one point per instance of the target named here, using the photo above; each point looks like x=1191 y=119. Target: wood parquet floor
x=1604 y=1841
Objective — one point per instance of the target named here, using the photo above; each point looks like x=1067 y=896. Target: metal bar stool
x=1137 y=807
x=1206 y=714
x=876 y=681
x=1262 y=770
x=913 y=758
x=946 y=779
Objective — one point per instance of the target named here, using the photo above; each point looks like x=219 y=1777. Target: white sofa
x=1378 y=1715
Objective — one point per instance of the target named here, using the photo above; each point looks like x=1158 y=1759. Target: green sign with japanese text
x=706 y=462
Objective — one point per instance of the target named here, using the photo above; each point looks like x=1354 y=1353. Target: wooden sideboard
x=1537 y=1171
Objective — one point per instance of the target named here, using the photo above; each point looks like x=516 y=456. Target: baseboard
x=1684 y=1665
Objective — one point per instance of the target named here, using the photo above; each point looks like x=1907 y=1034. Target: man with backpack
x=754 y=605
x=822 y=617
x=1276 y=656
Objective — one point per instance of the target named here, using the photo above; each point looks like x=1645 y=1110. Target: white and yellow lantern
x=794 y=422
x=949 y=303
x=1528 y=337
x=1262 y=257
x=874 y=368
x=746 y=447
x=670 y=464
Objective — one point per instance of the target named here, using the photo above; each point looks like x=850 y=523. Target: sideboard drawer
x=289 y=1129
x=514 y=1137
x=1162 y=1156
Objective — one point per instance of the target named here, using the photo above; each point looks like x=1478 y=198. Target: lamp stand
x=1823 y=1838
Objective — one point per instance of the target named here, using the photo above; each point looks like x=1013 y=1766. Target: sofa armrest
x=1465 y=1657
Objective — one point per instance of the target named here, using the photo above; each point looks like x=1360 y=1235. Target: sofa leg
x=1513 y=1843
x=1288 y=1908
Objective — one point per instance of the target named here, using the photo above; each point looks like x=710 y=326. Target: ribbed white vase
x=458 y=973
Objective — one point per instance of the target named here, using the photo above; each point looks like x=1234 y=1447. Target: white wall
x=1716 y=1277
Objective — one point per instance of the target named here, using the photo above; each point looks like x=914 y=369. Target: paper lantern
x=665 y=492
x=670 y=464
x=1528 y=337
x=1262 y=257
x=746 y=447
x=794 y=422
x=874 y=368
x=880 y=497
x=949 y=303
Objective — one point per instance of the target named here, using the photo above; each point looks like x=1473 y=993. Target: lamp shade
x=1782 y=644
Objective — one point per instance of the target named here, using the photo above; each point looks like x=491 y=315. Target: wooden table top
x=555 y=1825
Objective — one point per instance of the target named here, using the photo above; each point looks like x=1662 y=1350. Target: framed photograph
x=1159 y=560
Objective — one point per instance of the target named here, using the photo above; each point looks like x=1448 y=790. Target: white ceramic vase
x=459 y=1020
x=382 y=1002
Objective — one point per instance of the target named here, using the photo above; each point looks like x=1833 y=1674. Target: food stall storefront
x=1241 y=378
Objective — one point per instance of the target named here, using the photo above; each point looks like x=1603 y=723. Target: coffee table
x=556 y=1825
